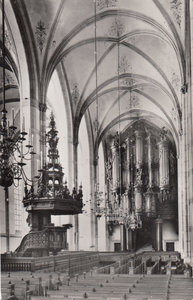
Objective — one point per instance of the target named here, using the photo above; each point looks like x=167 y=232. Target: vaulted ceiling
x=131 y=50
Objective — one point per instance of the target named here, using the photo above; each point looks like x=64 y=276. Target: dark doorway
x=170 y=246
x=117 y=247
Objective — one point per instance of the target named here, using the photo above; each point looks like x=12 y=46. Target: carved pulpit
x=52 y=198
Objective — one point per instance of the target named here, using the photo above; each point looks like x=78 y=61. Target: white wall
x=84 y=178
x=169 y=234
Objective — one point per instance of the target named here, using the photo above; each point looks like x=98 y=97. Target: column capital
x=42 y=107
x=158 y=220
x=139 y=133
x=163 y=144
x=163 y=135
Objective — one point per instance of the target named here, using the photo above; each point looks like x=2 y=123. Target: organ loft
x=96 y=143
x=142 y=198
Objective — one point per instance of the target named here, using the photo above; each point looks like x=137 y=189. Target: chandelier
x=12 y=143
x=100 y=209
x=131 y=221
x=13 y=152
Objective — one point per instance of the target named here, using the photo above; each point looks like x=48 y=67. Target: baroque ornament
x=101 y=4
x=41 y=35
x=176 y=8
x=138 y=181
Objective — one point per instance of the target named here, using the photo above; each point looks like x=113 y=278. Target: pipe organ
x=143 y=181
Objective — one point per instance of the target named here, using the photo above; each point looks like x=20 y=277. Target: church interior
x=96 y=149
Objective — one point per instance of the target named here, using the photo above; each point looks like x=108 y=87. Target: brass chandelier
x=13 y=152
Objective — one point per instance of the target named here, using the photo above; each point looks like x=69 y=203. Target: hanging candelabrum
x=131 y=220
x=127 y=215
x=13 y=153
x=11 y=140
x=100 y=209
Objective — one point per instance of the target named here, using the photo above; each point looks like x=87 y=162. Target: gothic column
x=186 y=216
x=96 y=190
x=134 y=239
x=139 y=162
x=164 y=164
x=129 y=239
x=158 y=234
x=123 y=237
x=76 y=218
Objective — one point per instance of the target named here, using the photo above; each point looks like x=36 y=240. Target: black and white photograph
x=96 y=149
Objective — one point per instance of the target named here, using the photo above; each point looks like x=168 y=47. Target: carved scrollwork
x=138 y=180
